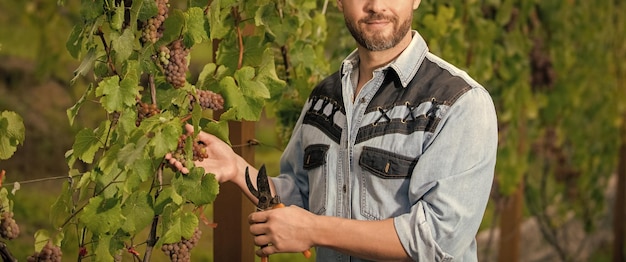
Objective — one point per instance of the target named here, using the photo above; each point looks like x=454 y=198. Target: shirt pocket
x=384 y=180
x=385 y=164
x=315 y=163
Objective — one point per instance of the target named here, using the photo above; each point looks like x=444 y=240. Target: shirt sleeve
x=451 y=182
x=293 y=189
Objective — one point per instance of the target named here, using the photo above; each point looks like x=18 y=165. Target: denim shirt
x=418 y=145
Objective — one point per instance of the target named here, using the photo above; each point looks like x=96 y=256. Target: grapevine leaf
x=138 y=211
x=102 y=215
x=115 y=95
x=197 y=25
x=74 y=43
x=5 y=202
x=118 y=17
x=147 y=9
x=243 y=107
x=218 y=129
x=166 y=197
x=253 y=48
x=135 y=8
x=103 y=247
x=41 y=238
x=281 y=29
x=72 y=112
x=267 y=74
x=108 y=162
x=85 y=145
x=166 y=139
x=90 y=10
x=217 y=19
x=85 y=178
x=11 y=133
x=173 y=25
x=196 y=187
x=131 y=152
x=250 y=86
x=123 y=44
x=62 y=207
x=139 y=172
x=207 y=76
x=177 y=224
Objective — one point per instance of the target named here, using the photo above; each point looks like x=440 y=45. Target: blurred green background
x=556 y=70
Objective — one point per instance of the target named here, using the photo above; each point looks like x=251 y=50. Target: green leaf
x=243 y=107
x=86 y=144
x=118 y=17
x=86 y=65
x=102 y=215
x=131 y=152
x=196 y=187
x=41 y=238
x=166 y=197
x=148 y=9
x=267 y=75
x=61 y=208
x=116 y=95
x=72 y=112
x=177 y=224
x=197 y=25
x=165 y=140
x=102 y=247
x=218 y=129
x=138 y=212
x=206 y=76
x=123 y=45
x=218 y=16
x=139 y=172
x=11 y=133
x=74 y=43
x=250 y=86
x=173 y=25
x=90 y=10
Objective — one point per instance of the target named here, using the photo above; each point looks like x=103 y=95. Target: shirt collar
x=405 y=64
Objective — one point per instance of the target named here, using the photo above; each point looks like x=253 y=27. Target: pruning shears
x=266 y=200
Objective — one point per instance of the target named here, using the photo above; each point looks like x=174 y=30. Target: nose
x=375 y=6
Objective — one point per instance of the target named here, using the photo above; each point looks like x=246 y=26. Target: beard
x=378 y=41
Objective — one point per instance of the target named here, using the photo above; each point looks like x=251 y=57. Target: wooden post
x=231 y=239
x=619 y=227
x=510 y=223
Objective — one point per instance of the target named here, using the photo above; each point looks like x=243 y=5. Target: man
x=392 y=157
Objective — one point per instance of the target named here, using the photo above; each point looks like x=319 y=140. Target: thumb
x=266 y=251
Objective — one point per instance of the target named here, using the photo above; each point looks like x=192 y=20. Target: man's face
x=378 y=24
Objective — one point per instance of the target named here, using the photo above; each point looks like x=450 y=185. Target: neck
x=370 y=60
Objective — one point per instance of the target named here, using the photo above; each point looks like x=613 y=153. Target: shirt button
x=345 y=189
x=362 y=100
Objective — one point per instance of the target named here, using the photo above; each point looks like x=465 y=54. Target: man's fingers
x=266 y=251
x=257 y=217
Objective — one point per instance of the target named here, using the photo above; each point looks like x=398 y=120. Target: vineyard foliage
x=138 y=52
x=556 y=77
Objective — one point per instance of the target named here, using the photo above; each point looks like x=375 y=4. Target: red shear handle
x=306 y=253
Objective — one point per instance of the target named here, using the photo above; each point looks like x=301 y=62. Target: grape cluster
x=207 y=100
x=179 y=155
x=153 y=29
x=8 y=228
x=180 y=252
x=173 y=60
x=145 y=110
x=49 y=253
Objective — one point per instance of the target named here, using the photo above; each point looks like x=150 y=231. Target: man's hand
x=221 y=161
x=282 y=230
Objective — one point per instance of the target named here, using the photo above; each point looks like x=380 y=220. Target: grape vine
x=142 y=174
